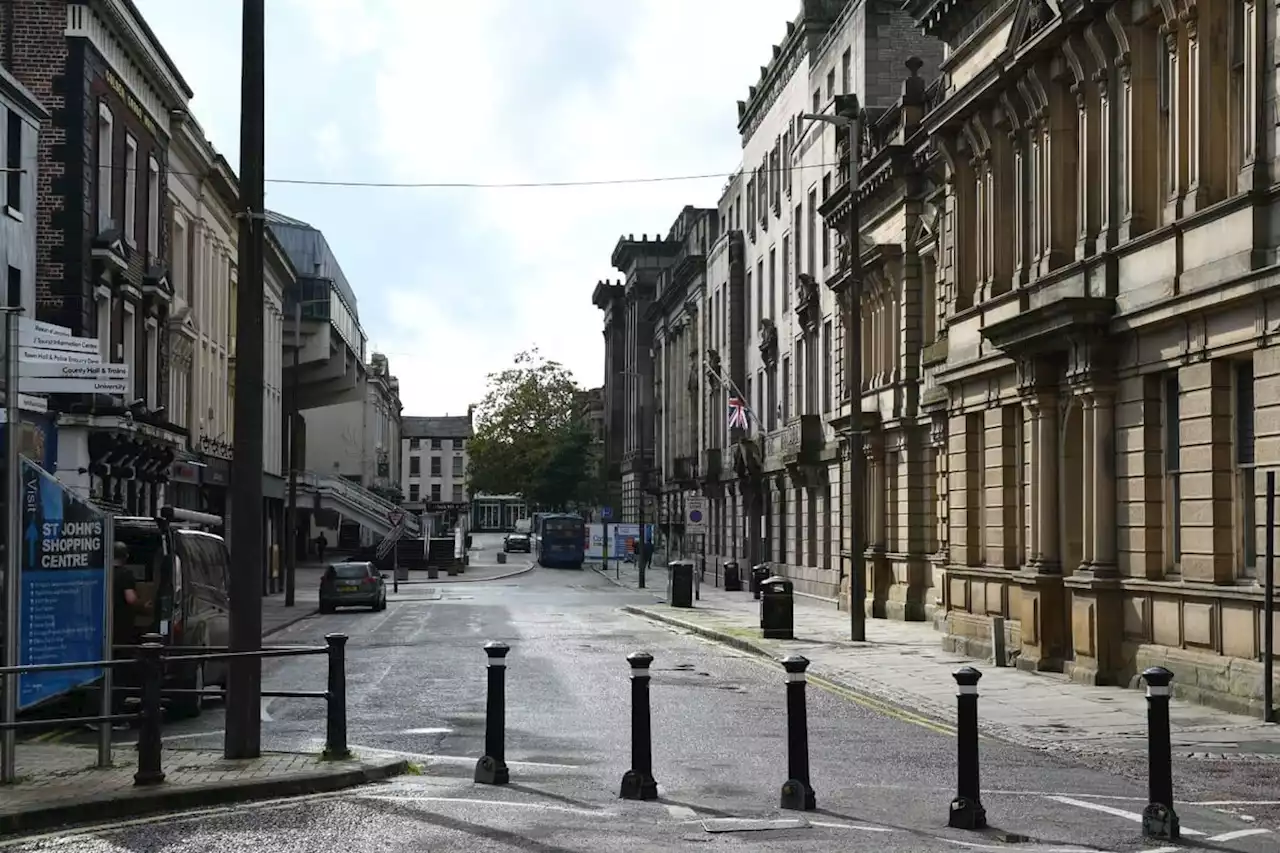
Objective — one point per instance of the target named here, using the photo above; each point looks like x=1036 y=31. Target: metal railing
x=152 y=658
x=358 y=497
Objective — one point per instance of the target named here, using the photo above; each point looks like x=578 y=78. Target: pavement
x=903 y=663
x=883 y=775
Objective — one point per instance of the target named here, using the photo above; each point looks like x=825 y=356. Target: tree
x=529 y=437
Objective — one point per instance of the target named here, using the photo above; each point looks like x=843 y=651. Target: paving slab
x=903 y=663
x=60 y=785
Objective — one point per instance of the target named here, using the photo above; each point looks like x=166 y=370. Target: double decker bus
x=561 y=540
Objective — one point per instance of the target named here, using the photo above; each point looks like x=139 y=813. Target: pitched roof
x=448 y=426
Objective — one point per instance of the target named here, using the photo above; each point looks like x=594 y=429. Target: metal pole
x=797 y=793
x=492 y=768
x=105 y=705
x=1159 y=820
x=1268 y=608
x=291 y=510
x=13 y=553
x=244 y=687
x=644 y=473
x=335 y=741
x=967 y=811
x=638 y=782
x=853 y=381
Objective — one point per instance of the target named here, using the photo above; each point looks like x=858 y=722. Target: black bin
x=732 y=577
x=777 y=609
x=681 y=589
x=759 y=574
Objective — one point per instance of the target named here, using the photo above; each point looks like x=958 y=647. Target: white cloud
x=492 y=91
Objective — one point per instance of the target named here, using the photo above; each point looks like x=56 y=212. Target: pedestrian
x=126 y=605
x=321 y=544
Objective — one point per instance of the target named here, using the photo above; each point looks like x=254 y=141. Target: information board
x=62 y=615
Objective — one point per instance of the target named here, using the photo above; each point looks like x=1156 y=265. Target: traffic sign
x=606 y=513
x=695 y=515
x=396 y=517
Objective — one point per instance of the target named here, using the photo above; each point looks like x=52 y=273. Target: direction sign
x=53 y=356
x=56 y=370
x=27 y=324
x=606 y=513
x=48 y=385
x=65 y=343
x=695 y=515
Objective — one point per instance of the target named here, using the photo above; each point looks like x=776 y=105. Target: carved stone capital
x=1036 y=375
x=1090 y=361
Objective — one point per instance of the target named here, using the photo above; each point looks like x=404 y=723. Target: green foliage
x=529 y=438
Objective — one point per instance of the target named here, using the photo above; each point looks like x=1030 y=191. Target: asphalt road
x=416 y=680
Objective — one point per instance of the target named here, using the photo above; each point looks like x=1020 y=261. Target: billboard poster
x=63 y=586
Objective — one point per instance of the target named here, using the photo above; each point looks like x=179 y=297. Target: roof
x=448 y=426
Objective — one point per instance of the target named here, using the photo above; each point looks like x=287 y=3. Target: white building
x=433 y=469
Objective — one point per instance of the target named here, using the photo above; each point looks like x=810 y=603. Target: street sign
x=396 y=517
x=695 y=515
x=606 y=513
x=47 y=385
x=55 y=370
x=27 y=355
x=27 y=324
x=63 y=343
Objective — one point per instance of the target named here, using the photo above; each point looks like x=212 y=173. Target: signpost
x=606 y=513
x=388 y=544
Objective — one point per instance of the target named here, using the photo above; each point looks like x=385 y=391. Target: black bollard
x=638 y=782
x=151 y=665
x=335 y=741
x=1159 y=820
x=492 y=768
x=966 y=809
x=797 y=793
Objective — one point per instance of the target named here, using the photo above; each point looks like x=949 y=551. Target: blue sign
x=63 y=586
x=606 y=513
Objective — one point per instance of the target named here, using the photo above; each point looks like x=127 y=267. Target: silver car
x=352 y=585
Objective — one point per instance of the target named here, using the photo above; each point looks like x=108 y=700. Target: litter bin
x=732 y=577
x=759 y=574
x=777 y=609
x=681 y=583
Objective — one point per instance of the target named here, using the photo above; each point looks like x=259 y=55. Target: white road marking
x=1034 y=848
x=483 y=802
x=451 y=759
x=1238 y=833
x=682 y=812
x=859 y=826
x=1136 y=817
x=430 y=730
x=190 y=735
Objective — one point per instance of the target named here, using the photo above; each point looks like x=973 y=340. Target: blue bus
x=561 y=540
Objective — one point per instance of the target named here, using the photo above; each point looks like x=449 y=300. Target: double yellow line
x=880 y=707
x=53 y=736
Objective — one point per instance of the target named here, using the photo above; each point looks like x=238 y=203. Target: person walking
x=321 y=544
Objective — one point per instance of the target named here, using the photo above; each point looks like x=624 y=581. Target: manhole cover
x=734 y=824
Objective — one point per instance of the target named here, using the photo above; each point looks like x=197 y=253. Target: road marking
x=1239 y=833
x=430 y=730
x=682 y=813
x=264 y=714
x=1034 y=848
x=483 y=802
x=452 y=759
x=1136 y=817
x=190 y=735
x=859 y=826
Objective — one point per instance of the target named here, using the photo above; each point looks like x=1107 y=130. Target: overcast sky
x=453 y=282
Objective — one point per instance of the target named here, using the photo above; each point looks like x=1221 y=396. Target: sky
x=452 y=283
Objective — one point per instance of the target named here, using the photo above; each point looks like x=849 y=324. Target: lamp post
x=849 y=118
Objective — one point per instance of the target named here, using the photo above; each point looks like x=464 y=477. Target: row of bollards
x=1159 y=821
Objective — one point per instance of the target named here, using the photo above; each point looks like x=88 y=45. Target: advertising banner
x=62 y=607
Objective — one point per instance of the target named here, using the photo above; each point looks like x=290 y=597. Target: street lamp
x=849 y=117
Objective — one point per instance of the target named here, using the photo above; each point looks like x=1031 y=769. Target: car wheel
x=189 y=705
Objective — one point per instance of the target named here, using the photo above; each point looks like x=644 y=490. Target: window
x=773 y=284
x=153 y=364
x=1246 y=497
x=457 y=493
x=831 y=84
x=413 y=444
x=104 y=323
x=435 y=444
x=130 y=189
x=845 y=67
x=826 y=367
x=457 y=466
x=415 y=466
x=106 y=139
x=153 y=209
x=461 y=444
x=13 y=162
x=15 y=287
x=760 y=310
x=772 y=377
x=747 y=301
x=415 y=492
x=786 y=389
x=786 y=272
x=1172 y=486
x=826 y=232
x=178 y=252
x=435 y=466
x=435 y=493
x=130 y=355
x=817 y=100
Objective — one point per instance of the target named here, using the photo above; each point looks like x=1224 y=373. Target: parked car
x=517 y=542
x=352 y=585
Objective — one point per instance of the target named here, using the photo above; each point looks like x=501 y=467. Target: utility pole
x=244 y=689
x=291 y=510
x=848 y=118
x=643 y=475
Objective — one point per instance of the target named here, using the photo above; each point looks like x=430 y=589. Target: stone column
x=1175 y=151
x=1137 y=61
x=1254 y=50
x=1204 y=460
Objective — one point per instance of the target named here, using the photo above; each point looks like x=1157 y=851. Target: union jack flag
x=738 y=413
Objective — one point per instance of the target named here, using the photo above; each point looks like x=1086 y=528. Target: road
x=416 y=679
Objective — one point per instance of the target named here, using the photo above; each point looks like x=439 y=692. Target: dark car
x=517 y=542
x=352 y=585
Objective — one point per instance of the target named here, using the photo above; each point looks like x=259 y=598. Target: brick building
x=102 y=256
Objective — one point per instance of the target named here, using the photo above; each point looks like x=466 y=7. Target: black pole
x=641 y=551
x=152 y=669
x=1159 y=820
x=1269 y=608
x=244 y=683
x=967 y=811
x=491 y=769
x=797 y=793
x=395 y=567
x=291 y=510
x=638 y=782
x=335 y=742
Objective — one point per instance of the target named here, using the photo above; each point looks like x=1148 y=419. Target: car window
x=206 y=566
x=351 y=571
